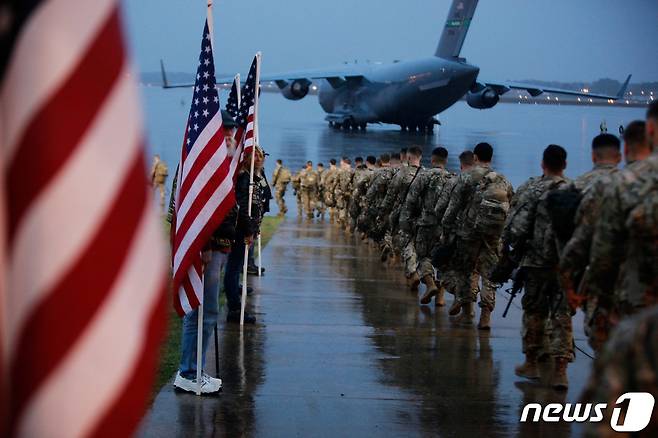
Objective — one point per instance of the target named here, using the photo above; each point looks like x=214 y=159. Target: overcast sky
x=564 y=40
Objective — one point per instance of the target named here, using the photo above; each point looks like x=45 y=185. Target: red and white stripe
x=84 y=264
x=204 y=196
x=245 y=141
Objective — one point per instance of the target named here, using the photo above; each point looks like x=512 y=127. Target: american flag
x=84 y=259
x=232 y=102
x=245 y=119
x=204 y=193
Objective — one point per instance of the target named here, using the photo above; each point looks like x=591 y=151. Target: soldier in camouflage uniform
x=360 y=170
x=360 y=185
x=624 y=255
x=448 y=275
x=625 y=365
x=529 y=231
x=342 y=191
x=574 y=258
x=418 y=219
x=309 y=180
x=375 y=197
x=319 y=199
x=296 y=181
x=391 y=207
x=280 y=180
x=328 y=182
x=481 y=198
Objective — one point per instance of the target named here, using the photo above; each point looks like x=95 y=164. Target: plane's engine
x=483 y=99
x=296 y=89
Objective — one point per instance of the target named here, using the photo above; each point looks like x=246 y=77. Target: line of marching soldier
x=589 y=243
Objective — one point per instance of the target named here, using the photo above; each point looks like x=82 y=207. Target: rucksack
x=562 y=205
x=642 y=226
x=490 y=205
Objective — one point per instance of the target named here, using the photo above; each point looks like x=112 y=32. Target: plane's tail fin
x=165 y=82
x=622 y=90
x=456 y=28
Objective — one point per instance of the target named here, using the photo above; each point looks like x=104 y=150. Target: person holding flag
x=248 y=192
x=201 y=223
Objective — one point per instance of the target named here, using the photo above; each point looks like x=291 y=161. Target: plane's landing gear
x=363 y=126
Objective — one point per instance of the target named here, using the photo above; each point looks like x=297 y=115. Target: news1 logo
x=637 y=417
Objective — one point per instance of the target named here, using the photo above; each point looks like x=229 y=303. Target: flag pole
x=251 y=187
x=236 y=80
x=199 y=326
x=260 y=259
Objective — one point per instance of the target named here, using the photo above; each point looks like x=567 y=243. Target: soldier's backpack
x=642 y=226
x=489 y=205
x=562 y=205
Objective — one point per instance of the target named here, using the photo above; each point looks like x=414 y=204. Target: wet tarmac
x=342 y=349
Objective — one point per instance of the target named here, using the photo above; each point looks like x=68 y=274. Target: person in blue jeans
x=215 y=258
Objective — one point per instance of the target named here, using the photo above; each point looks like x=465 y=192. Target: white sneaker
x=189 y=385
x=213 y=380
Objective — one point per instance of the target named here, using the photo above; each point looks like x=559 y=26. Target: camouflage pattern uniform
x=362 y=177
x=392 y=205
x=624 y=255
x=319 y=199
x=374 y=199
x=343 y=194
x=280 y=179
x=328 y=183
x=296 y=181
x=625 y=364
x=545 y=309
x=475 y=252
x=575 y=255
x=309 y=181
x=418 y=218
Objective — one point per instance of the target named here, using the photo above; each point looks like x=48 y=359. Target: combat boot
x=455 y=308
x=560 y=380
x=431 y=290
x=414 y=282
x=529 y=368
x=485 y=319
x=466 y=316
x=440 y=300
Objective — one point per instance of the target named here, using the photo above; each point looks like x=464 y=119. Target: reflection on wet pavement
x=342 y=349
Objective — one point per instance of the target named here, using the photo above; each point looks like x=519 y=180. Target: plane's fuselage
x=402 y=93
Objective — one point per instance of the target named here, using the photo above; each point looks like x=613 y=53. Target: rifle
x=519 y=277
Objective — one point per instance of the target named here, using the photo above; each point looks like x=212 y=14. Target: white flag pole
x=260 y=260
x=251 y=187
x=199 y=327
x=238 y=88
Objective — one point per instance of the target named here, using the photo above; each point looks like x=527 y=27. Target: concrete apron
x=342 y=349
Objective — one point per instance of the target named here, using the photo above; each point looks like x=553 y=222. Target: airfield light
x=627 y=102
x=642 y=92
x=556 y=98
x=590 y=99
x=579 y=99
x=585 y=90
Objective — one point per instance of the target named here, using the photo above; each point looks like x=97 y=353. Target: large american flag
x=245 y=119
x=204 y=193
x=84 y=259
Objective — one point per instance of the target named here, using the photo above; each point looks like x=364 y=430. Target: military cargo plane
x=410 y=93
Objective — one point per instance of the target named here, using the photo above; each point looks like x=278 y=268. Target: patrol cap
x=228 y=121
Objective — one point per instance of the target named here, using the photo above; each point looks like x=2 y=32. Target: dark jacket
x=224 y=235
x=246 y=225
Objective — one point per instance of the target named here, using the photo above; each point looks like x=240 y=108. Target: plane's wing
x=335 y=76
x=536 y=90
